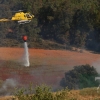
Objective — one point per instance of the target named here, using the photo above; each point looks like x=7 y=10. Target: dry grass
x=6 y=98
x=71 y=95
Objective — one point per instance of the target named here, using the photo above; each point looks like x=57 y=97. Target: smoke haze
x=96 y=65
x=8 y=86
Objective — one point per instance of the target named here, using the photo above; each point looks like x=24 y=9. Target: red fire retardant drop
x=24 y=38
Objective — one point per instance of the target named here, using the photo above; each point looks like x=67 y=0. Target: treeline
x=67 y=22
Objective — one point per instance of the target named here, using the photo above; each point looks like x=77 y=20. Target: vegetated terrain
x=44 y=92
x=46 y=67
x=58 y=24
x=65 y=22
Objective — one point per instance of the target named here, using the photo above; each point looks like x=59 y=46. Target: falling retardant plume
x=25 y=58
x=26 y=55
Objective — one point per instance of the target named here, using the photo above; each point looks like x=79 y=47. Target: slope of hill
x=46 y=66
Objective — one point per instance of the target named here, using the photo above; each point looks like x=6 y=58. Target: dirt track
x=47 y=66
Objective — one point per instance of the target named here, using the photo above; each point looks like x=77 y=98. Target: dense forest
x=57 y=23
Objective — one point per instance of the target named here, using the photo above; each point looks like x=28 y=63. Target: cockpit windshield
x=28 y=15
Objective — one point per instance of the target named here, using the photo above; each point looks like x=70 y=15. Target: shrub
x=42 y=92
x=82 y=76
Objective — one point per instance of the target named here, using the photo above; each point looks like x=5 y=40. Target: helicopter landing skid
x=24 y=21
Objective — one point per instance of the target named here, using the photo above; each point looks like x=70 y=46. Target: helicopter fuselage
x=22 y=17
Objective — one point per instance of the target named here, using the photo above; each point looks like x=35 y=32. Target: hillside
x=65 y=22
x=46 y=66
x=59 y=25
x=58 y=58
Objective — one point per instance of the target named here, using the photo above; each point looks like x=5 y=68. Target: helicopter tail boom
x=4 y=20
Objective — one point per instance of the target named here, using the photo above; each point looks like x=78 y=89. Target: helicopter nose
x=32 y=15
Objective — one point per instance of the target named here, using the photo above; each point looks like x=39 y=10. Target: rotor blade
x=16 y=11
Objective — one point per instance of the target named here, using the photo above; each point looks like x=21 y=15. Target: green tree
x=80 y=77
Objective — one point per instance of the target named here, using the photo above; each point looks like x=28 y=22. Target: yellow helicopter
x=20 y=17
